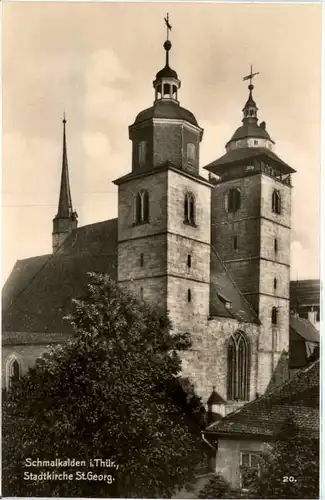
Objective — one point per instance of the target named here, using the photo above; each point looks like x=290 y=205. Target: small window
x=276 y=202
x=274 y=316
x=189 y=295
x=189 y=261
x=249 y=469
x=189 y=209
x=142 y=207
x=143 y=153
x=141 y=260
x=275 y=245
x=13 y=371
x=233 y=200
x=255 y=142
x=141 y=293
x=275 y=283
x=190 y=153
x=235 y=242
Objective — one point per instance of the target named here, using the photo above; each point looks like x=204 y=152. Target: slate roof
x=304 y=328
x=262 y=417
x=38 y=293
x=250 y=130
x=166 y=109
x=223 y=289
x=304 y=293
x=242 y=155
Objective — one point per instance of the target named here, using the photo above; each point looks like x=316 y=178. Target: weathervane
x=250 y=76
x=168 y=25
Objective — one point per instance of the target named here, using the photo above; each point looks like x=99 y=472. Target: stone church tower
x=251 y=220
x=164 y=209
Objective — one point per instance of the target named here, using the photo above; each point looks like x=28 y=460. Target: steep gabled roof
x=39 y=291
x=223 y=290
x=304 y=328
x=262 y=417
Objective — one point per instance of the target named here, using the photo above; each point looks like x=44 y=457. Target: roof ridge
x=234 y=283
x=266 y=396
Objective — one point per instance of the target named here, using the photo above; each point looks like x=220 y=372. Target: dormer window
x=142 y=153
x=190 y=153
x=142 y=207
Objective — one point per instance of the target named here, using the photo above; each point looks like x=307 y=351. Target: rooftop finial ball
x=250 y=87
x=167 y=45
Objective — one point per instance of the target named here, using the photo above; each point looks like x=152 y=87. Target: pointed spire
x=250 y=109
x=65 y=203
x=66 y=219
x=166 y=84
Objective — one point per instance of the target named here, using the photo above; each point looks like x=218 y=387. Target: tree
x=290 y=468
x=112 y=391
x=218 y=487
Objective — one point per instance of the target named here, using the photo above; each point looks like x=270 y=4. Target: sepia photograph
x=161 y=293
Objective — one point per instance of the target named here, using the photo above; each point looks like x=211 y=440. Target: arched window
x=275 y=283
x=189 y=295
x=233 y=200
x=274 y=316
x=189 y=260
x=190 y=152
x=238 y=367
x=276 y=202
x=142 y=207
x=143 y=153
x=189 y=209
x=13 y=370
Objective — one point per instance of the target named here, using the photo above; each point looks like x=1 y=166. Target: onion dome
x=166 y=104
x=166 y=109
x=250 y=133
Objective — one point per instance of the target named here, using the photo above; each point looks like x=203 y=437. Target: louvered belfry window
x=238 y=367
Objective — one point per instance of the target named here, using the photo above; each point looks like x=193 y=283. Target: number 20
x=289 y=479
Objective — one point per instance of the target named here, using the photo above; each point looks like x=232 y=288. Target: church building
x=214 y=251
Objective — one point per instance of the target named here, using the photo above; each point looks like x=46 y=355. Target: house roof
x=304 y=293
x=263 y=416
x=38 y=293
x=304 y=328
x=242 y=156
x=224 y=290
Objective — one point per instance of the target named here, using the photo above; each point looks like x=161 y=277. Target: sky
x=97 y=62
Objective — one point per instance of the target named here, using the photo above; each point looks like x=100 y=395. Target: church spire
x=250 y=109
x=166 y=84
x=65 y=203
x=66 y=219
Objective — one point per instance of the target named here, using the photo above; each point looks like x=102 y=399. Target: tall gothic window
x=142 y=207
x=189 y=209
x=238 y=367
x=13 y=371
x=276 y=202
x=233 y=200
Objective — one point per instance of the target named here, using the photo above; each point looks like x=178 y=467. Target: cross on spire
x=250 y=76
x=168 y=25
